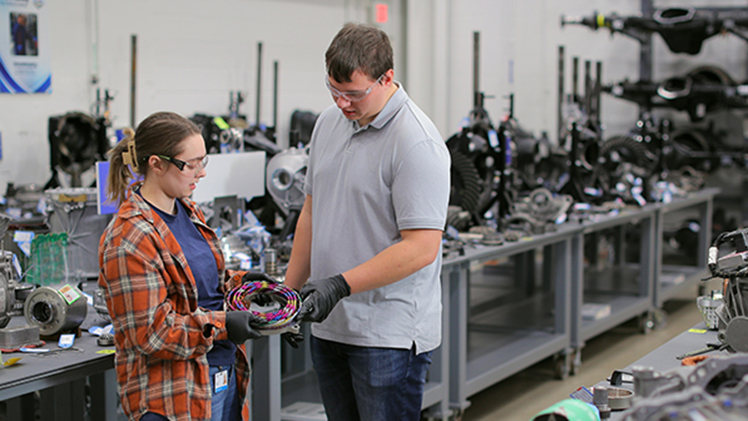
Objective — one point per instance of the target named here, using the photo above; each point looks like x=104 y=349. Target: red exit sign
x=380 y=12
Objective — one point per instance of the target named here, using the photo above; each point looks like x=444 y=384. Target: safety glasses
x=351 y=96
x=199 y=165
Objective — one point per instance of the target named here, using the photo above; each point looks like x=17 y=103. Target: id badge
x=221 y=381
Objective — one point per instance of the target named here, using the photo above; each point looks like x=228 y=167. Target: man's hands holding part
x=320 y=297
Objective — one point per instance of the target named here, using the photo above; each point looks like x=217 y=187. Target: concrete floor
x=534 y=389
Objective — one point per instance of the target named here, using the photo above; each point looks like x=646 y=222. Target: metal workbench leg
x=656 y=255
x=104 y=396
x=548 y=269
x=562 y=271
x=439 y=370
x=620 y=245
x=705 y=233
x=21 y=408
x=524 y=272
x=266 y=378
x=458 y=326
x=65 y=402
x=562 y=265
x=648 y=282
x=594 y=240
x=648 y=257
x=576 y=280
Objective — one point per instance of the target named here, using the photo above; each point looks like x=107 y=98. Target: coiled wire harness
x=277 y=320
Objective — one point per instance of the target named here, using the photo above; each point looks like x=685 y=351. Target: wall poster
x=24 y=47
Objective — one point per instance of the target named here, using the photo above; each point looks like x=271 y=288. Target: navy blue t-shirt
x=205 y=270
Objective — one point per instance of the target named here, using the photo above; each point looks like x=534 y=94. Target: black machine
x=76 y=142
x=684 y=30
x=728 y=259
x=479 y=155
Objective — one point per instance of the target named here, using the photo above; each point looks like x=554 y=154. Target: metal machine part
x=600 y=400
x=55 y=310
x=99 y=304
x=732 y=264
x=713 y=376
x=271 y=263
x=619 y=398
x=18 y=336
x=286 y=173
x=232 y=140
x=12 y=292
x=538 y=212
x=239 y=255
x=106 y=339
x=543 y=205
x=698 y=92
x=683 y=29
x=7 y=298
x=76 y=142
x=713 y=389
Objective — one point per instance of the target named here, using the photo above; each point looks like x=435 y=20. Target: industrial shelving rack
x=510 y=306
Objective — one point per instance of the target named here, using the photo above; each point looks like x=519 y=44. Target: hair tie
x=130 y=156
x=240 y=298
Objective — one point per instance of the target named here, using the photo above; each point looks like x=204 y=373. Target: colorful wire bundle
x=240 y=298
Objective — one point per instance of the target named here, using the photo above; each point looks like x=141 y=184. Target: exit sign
x=380 y=11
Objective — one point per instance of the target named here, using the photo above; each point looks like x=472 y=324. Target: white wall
x=192 y=53
x=525 y=36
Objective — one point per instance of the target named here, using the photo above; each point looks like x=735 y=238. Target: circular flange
x=47 y=308
x=737 y=333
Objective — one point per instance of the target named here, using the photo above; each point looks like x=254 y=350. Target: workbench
x=62 y=379
x=664 y=359
x=505 y=308
x=512 y=306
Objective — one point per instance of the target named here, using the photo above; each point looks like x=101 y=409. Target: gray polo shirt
x=367 y=184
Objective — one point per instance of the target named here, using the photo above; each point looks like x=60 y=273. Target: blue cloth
x=205 y=271
x=374 y=384
x=152 y=416
x=224 y=405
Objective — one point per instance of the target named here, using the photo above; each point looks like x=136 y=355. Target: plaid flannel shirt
x=161 y=335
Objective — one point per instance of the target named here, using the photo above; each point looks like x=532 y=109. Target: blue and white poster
x=24 y=47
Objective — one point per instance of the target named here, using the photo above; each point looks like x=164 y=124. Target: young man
x=369 y=236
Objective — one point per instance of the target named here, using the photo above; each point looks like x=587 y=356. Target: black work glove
x=241 y=325
x=257 y=276
x=320 y=297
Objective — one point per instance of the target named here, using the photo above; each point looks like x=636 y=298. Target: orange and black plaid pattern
x=161 y=335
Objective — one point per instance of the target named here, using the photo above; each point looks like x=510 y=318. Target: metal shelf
x=505 y=355
x=675 y=279
x=514 y=323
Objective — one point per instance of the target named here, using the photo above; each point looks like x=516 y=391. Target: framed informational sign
x=24 y=47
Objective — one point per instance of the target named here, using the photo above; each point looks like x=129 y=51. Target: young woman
x=179 y=355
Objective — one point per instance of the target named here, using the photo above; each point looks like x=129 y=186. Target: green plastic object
x=49 y=259
x=568 y=410
x=221 y=123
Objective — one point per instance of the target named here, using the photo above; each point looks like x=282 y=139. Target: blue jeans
x=370 y=384
x=224 y=404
